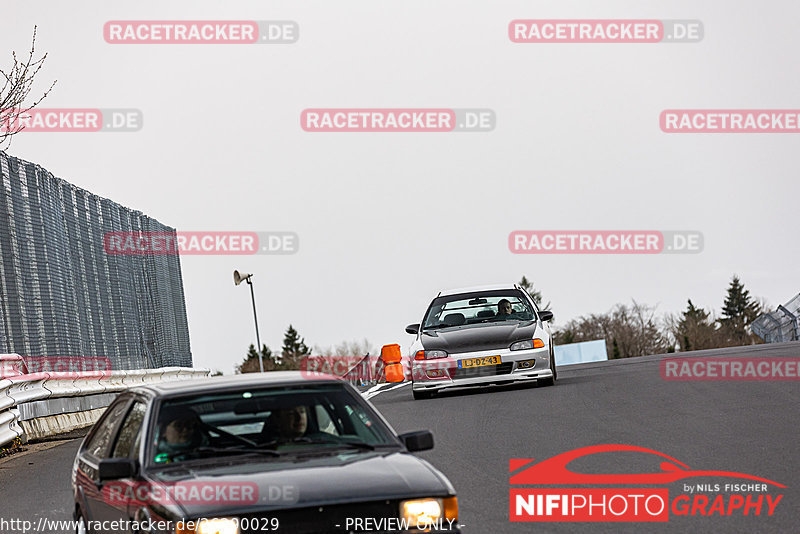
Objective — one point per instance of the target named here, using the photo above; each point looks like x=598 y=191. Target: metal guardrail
x=783 y=324
x=17 y=387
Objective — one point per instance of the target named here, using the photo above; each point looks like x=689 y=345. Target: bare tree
x=17 y=85
x=629 y=331
x=645 y=331
x=345 y=355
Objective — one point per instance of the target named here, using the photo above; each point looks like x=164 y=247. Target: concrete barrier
x=52 y=425
x=583 y=352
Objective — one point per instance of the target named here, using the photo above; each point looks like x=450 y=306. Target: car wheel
x=552 y=380
x=420 y=395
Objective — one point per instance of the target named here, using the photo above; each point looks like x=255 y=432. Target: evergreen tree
x=738 y=311
x=535 y=294
x=294 y=349
x=250 y=362
x=694 y=330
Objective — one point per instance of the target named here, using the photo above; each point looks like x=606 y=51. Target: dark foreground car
x=481 y=336
x=276 y=452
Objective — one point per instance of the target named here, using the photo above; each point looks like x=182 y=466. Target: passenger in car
x=292 y=423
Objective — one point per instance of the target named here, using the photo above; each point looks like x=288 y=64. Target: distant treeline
x=636 y=329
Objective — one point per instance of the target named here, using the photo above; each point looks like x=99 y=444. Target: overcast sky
x=386 y=220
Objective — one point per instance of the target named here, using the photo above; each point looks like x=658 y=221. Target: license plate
x=478 y=362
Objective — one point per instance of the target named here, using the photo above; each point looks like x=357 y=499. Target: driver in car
x=504 y=309
x=180 y=433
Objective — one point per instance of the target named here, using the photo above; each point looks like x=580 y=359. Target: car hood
x=477 y=337
x=316 y=481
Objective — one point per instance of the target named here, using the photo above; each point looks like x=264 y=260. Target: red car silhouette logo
x=554 y=470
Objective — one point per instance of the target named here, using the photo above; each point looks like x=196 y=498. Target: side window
x=129 y=434
x=101 y=440
x=362 y=425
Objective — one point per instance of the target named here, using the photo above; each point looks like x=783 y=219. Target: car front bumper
x=444 y=373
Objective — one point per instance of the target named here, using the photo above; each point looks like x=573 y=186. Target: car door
x=96 y=505
x=128 y=444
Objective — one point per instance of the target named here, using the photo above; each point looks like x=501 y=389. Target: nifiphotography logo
x=735 y=494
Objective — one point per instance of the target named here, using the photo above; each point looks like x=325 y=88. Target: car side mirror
x=413 y=329
x=116 y=468
x=546 y=315
x=421 y=440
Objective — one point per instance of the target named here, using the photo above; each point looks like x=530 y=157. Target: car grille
x=488 y=370
x=330 y=519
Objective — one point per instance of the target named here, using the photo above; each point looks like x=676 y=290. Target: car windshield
x=266 y=421
x=476 y=308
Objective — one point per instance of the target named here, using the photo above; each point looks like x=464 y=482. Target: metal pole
x=795 y=323
x=255 y=318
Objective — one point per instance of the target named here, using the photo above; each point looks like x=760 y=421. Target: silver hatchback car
x=479 y=336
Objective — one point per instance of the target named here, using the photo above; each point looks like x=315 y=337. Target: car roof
x=492 y=287
x=216 y=383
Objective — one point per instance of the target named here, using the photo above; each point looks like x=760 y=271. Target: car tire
x=551 y=380
x=421 y=395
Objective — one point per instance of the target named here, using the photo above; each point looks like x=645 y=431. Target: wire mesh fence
x=62 y=294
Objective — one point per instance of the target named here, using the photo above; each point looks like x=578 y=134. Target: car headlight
x=208 y=526
x=422 y=512
x=218 y=526
x=535 y=343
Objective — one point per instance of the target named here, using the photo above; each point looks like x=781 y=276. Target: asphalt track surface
x=745 y=427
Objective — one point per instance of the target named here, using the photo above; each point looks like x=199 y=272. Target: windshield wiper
x=237 y=450
x=437 y=326
x=318 y=441
x=352 y=444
